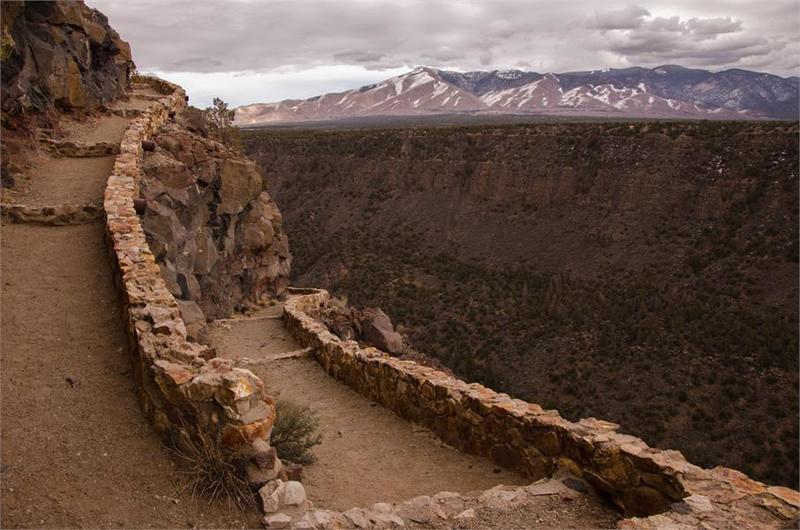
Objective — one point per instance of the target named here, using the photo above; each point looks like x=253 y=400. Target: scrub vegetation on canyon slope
x=641 y=272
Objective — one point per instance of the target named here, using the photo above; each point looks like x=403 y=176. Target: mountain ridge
x=667 y=91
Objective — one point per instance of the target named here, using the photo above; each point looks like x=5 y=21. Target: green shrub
x=296 y=432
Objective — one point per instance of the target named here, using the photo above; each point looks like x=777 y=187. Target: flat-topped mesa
x=189 y=395
x=655 y=488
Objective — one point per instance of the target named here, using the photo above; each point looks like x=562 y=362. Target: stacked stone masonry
x=654 y=488
x=184 y=390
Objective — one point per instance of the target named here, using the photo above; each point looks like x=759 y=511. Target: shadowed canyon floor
x=77 y=450
x=368 y=454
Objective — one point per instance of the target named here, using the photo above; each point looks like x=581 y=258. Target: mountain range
x=667 y=91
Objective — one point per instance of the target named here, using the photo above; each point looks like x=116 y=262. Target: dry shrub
x=210 y=471
x=295 y=433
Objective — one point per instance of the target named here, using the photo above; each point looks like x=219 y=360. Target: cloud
x=639 y=38
x=280 y=36
x=626 y=18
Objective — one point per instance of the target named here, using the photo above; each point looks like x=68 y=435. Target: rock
x=465 y=515
x=643 y=501
x=257 y=477
x=271 y=494
x=321 y=518
x=278 y=520
x=239 y=184
x=294 y=471
x=357 y=517
x=266 y=459
x=377 y=329
x=60 y=54
x=294 y=493
x=148 y=145
x=190 y=312
x=210 y=220
x=390 y=520
x=207 y=254
x=140 y=205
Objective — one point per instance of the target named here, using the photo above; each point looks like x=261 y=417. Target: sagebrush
x=296 y=432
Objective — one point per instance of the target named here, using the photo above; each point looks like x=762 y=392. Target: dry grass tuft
x=210 y=471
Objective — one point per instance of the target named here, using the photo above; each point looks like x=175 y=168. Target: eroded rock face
x=60 y=54
x=215 y=232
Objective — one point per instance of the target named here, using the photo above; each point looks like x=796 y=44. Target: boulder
x=377 y=329
x=294 y=494
x=240 y=183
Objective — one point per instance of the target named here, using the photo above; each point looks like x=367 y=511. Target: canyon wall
x=215 y=232
x=644 y=273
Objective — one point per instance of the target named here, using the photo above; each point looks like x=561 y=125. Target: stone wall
x=655 y=488
x=184 y=390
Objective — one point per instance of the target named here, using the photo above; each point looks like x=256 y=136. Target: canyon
x=643 y=273
x=151 y=338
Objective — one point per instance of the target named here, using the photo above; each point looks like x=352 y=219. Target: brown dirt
x=76 y=447
x=368 y=454
x=132 y=103
x=105 y=129
x=63 y=180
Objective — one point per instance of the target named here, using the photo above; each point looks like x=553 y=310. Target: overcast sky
x=249 y=51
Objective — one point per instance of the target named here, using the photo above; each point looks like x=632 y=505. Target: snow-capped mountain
x=665 y=92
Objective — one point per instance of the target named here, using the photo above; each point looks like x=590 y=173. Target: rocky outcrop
x=655 y=488
x=378 y=330
x=369 y=325
x=189 y=395
x=60 y=54
x=215 y=233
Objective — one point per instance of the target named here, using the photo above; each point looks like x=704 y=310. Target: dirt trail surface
x=368 y=454
x=63 y=180
x=107 y=129
x=77 y=451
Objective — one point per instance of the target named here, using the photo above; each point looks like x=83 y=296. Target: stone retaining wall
x=655 y=488
x=183 y=389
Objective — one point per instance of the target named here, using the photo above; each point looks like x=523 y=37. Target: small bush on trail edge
x=211 y=472
x=295 y=433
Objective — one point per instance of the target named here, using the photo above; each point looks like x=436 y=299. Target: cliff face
x=60 y=54
x=216 y=234
x=641 y=273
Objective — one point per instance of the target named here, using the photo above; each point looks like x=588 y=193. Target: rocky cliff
x=61 y=54
x=215 y=232
x=643 y=273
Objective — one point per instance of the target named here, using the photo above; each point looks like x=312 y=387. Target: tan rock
x=278 y=520
x=239 y=184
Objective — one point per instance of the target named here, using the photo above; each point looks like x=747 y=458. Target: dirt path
x=368 y=454
x=76 y=447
